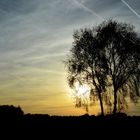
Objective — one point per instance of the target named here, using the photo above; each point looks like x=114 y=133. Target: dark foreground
x=17 y=125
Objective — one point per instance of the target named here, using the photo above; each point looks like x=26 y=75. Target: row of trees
x=107 y=58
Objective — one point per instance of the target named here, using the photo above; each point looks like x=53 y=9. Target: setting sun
x=81 y=91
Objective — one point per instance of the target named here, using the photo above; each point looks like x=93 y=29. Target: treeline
x=10 y=110
x=14 y=121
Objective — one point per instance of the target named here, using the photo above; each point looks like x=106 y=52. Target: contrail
x=88 y=10
x=131 y=9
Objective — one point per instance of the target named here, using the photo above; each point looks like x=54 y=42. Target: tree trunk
x=99 y=94
x=101 y=104
x=115 y=103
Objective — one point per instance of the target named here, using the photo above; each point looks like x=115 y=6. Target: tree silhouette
x=122 y=52
x=107 y=58
x=86 y=63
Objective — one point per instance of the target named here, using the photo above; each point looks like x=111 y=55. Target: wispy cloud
x=131 y=8
x=87 y=9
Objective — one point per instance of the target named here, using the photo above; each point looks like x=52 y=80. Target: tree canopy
x=107 y=58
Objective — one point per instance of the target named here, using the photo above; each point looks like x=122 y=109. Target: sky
x=35 y=39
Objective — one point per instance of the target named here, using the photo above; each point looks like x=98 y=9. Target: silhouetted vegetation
x=122 y=55
x=107 y=58
x=25 y=125
x=10 y=112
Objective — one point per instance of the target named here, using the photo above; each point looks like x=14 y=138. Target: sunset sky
x=35 y=38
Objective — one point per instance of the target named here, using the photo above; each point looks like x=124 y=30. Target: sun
x=82 y=91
